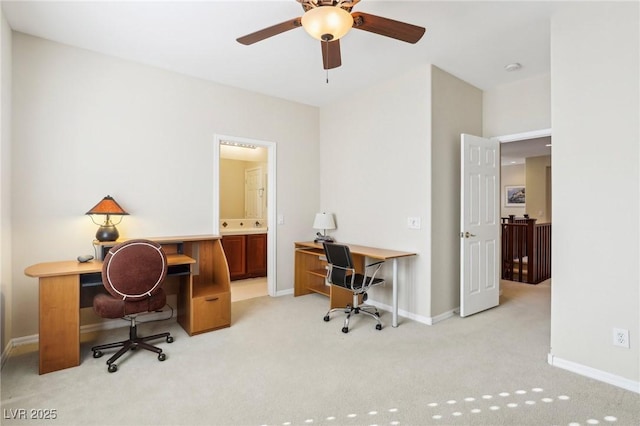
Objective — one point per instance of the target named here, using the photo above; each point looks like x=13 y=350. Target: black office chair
x=133 y=273
x=341 y=272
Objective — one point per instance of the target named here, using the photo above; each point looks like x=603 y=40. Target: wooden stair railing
x=526 y=250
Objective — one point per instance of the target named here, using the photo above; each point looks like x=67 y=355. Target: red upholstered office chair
x=133 y=273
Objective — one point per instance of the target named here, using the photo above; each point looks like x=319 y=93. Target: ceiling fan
x=329 y=20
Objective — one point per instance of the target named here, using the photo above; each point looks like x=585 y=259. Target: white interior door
x=254 y=193
x=479 y=225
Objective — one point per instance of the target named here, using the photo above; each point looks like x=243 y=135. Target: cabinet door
x=257 y=255
x=211 y=312
x=235 y=250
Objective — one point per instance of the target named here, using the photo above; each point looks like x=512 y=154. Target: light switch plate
x=413 y=222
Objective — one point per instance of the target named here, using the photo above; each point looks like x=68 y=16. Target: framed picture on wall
x=514 y=196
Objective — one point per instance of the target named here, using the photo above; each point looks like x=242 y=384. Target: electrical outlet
x=413 y=223
x=621 y=337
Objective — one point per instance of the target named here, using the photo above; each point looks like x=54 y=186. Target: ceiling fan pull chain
x=326 y=49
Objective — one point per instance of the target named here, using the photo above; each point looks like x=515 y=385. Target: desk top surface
x=73 y=267
x=161 y=240
x=372 y=252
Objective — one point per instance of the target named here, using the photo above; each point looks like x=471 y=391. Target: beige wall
x=6 y=292
x=519 y=107
x=509 y=176
x=400 y=158
x=232 y=188
x=375 y=172
x=596 y=187
x=535 y=176
x=456 y=108
x=86 y=125
x=537 y=198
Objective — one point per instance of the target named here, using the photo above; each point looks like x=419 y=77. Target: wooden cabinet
x=235 y=249
x=204 y=303
x=257 y=255
x=246 y=255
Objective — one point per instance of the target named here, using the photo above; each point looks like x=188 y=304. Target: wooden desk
x=310 y=272
x=204 y=296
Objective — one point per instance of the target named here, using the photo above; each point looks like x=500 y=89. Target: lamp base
x=323 y=238
x=107 y=233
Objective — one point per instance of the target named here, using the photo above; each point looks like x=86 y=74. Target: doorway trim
x=271 y=199
x=525 y=135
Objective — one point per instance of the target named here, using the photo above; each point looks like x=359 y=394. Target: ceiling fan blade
x=387 y=27
x=269 y=31
x=331 y=54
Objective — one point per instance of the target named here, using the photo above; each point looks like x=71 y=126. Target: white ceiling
x=472 y=40
x=515 y=152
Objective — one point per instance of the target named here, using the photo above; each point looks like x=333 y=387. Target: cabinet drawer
x=211 y=312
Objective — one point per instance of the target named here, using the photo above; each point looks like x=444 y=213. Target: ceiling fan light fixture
x=327 y=23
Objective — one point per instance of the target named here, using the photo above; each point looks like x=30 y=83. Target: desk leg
x=59 y=339
x=394 y=318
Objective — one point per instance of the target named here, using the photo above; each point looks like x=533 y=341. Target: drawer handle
x=211 y=299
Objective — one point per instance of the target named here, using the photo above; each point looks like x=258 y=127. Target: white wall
x=517 y=107
x=5 y=182
x=86 y=125
x=595 y=112
x=375 y=161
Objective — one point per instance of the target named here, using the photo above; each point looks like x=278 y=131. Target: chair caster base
x=345 y=329
x=162 y=356
x=378 y=326
x=112 y=368
x=326 y=318
x=97 y=354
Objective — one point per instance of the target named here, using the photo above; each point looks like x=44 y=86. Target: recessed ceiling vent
x=512 y=67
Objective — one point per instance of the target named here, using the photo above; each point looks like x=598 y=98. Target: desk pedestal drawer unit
x=311 y=273
x=204 y=294
x=205 y=304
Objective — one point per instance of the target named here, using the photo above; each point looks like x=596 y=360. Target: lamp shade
x=324 y=221
x=107 y=206
x=327 y=23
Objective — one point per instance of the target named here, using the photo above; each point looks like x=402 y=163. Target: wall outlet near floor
x=621 y=337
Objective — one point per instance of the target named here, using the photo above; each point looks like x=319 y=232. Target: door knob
x=467 y=234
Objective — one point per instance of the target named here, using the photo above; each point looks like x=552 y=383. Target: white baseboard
x=418 y=318
x=593 y=373
x=284 y=292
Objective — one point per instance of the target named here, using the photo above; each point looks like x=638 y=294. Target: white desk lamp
x=324 y=221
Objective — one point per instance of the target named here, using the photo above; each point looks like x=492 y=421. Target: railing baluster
x=523 y=238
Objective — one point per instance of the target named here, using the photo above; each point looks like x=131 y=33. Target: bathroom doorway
x=244 y=212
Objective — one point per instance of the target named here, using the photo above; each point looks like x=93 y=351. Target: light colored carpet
x=281 y=364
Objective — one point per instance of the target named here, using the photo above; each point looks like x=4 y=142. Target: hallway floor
x=248 y=289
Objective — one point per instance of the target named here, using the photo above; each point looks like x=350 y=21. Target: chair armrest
x=377 y=265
